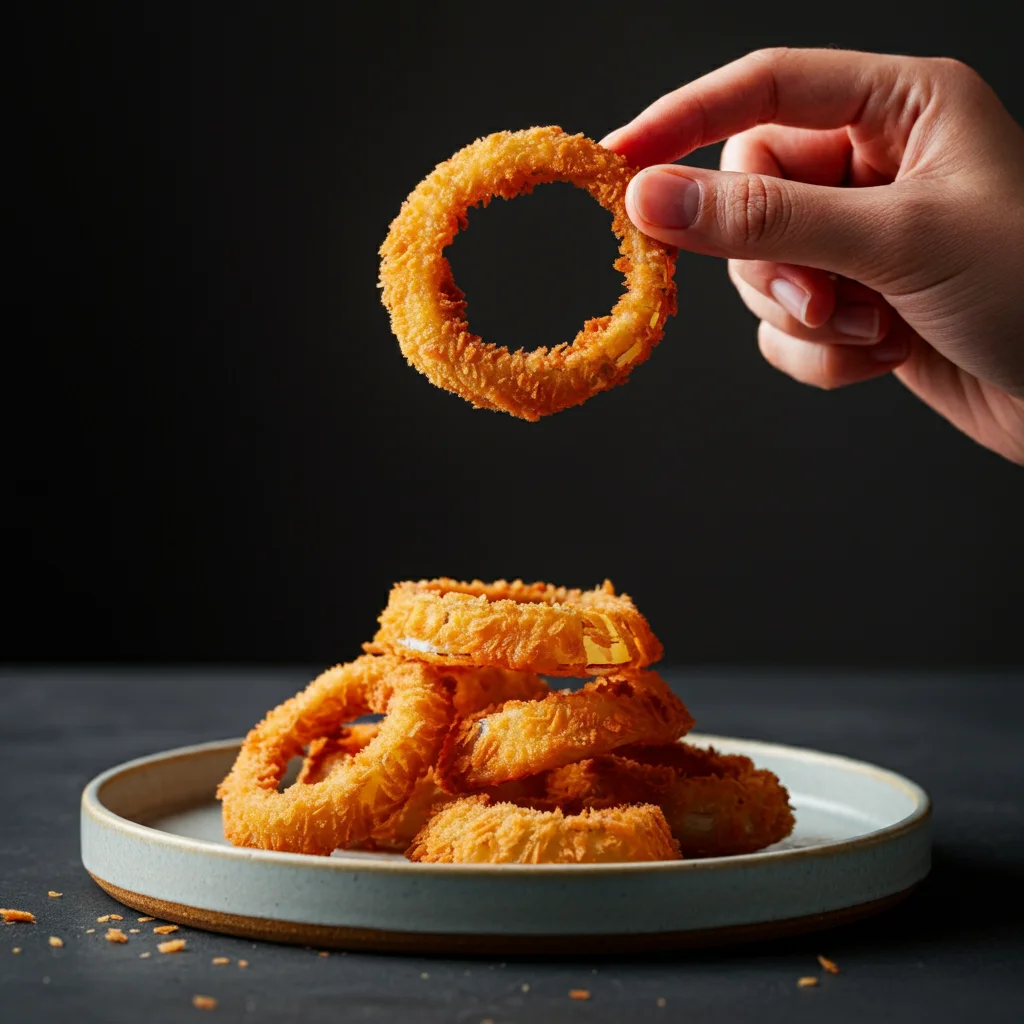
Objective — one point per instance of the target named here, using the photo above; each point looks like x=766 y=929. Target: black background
x=218 y=453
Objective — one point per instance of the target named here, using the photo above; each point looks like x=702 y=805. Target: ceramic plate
x=151 y=836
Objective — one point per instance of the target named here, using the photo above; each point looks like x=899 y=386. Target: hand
x=873 y=211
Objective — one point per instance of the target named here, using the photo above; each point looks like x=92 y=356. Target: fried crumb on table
x=54 y=895
x=171 y=946
x=56 y=942
x=219 y=961
x=204 y=1002
x=17 y=916
x=115 y=935
x=807 y=982
x=145 y=920
x=829 y=965
x=579 y=993
x=165 y=929
x=243 y=963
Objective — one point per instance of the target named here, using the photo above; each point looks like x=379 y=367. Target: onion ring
x=533 y=627
x=475 y=689
x=361 y=792
x=426 y=798
x=522 y=738
x=716 y=805
x=473 y=830
x=427 y=308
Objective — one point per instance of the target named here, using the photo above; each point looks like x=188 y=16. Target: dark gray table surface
x=954 y=951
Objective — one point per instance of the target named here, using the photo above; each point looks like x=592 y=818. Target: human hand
x=872 y=208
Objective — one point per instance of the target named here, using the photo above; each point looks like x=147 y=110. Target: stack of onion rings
x=478 y=760
x=428 y=310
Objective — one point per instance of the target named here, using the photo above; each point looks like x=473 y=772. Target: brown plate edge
x=379 y=941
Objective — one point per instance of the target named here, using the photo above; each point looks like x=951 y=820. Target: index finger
x=799 y=88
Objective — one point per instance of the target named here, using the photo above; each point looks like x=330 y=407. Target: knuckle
x=953 y=68
x=754 y=210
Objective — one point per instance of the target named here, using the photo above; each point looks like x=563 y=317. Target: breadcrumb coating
x=521 y=738
x=473 y=831
x=526 y=627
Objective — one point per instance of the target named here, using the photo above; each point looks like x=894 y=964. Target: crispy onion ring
x=474 y=831
x=362 y=791
x=475 y=689
x=428 y=310
x=533 y=627
x=716 y=805
x=522 y=738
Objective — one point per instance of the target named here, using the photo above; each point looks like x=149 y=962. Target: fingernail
x=610 y=139
x=666 y=199
x=792 y=298
x=860 y=321
x=891 y=350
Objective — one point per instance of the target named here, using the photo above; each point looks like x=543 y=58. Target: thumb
x=758 y=217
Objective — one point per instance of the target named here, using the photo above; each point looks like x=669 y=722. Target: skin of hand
x=872 y=211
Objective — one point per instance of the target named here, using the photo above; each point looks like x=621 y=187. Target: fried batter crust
x=716 y=805
x=428 y=309
x=474 y=831
x=521 y=738
x=534 y=627
x=361 y=792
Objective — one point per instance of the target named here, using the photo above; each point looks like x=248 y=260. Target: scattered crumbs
x=145 y=920
x=424 y=975
x=524 y=987
x=17 y=916
x=116 y=917
x=115 y=935
x=661 y=1001
x=165 y=929
x=204 y=1002
x=323 y=952
x=54 y=895
x=145 y=956
x=243 y=963
x=134 y=931
x=218 y=961
x=16 y=950
x=806 y=982
x=579 y=993
x=103 y=920
x=829 y=965
x=55 y=942
x=90 y=931
x=171 y=946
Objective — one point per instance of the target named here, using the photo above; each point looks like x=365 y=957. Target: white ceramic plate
x=151 y=836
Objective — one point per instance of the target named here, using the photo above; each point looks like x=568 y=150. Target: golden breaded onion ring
x=428 y=310
x=534 y=627
x=474 y=831
x=521 y=738
x=360 y=792
x=427 y=797
x=717 y=805
x=475 y=689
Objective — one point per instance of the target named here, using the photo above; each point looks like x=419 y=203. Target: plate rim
x=93 y=807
